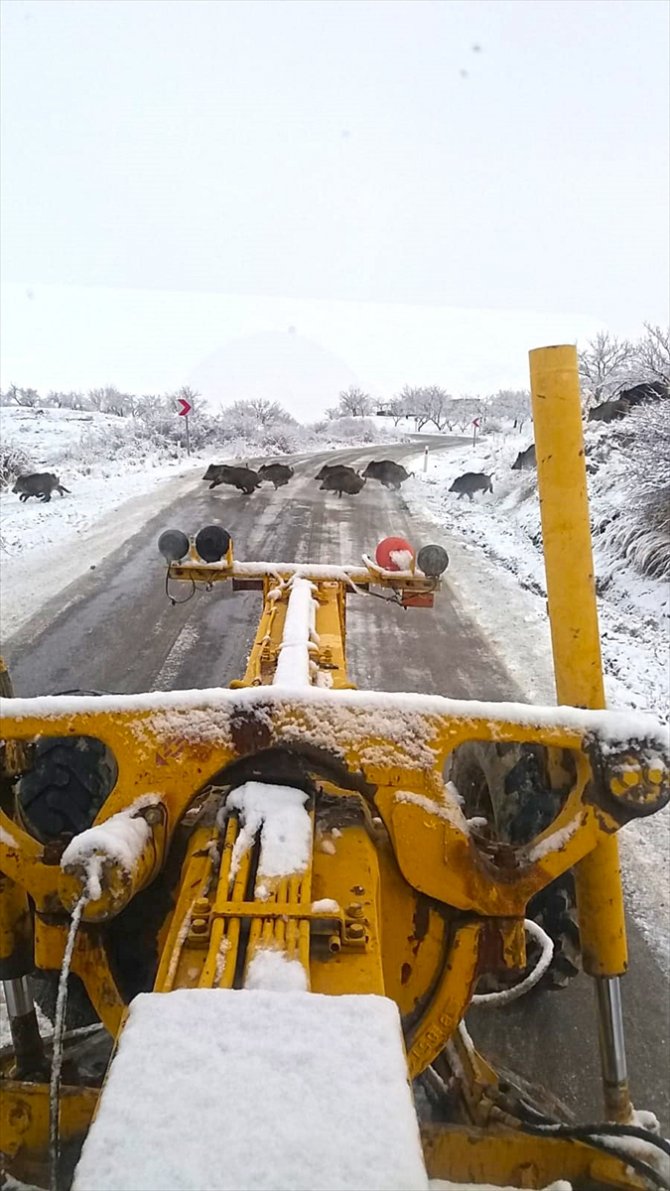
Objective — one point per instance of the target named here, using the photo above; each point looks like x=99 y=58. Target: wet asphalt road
x=116 y=631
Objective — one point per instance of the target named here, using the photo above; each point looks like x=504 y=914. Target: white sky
x=284 y=197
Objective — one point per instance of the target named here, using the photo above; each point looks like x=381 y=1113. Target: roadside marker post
x=425 y=459
x=185 y=410
x=476 y=423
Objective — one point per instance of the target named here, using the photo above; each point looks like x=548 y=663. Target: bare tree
x=353 y=403
x=71 y=400
x=511 y=403
x=652 y=354
x=110 y=400
x=257 y=411
x=606 y=365
x=465 y=410
x=25 y=397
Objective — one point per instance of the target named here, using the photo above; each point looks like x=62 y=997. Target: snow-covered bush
x=285 y=438
x=350 y=430
x=641 y=532
x=14 y=461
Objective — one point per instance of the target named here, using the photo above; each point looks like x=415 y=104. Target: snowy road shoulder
x=45 y=547
x=497 y=570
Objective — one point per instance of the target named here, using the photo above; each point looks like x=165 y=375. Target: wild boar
x=609 y=411
x=40 y=484
x=331 y=467
x=472 y=481
x=277 y=473
x=654 y=390
x=343 y=480
x=525 y=459
x=390 y=474
x=242 y=478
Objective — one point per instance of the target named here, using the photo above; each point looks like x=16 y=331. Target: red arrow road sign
x=476 y=421
x=185 y=407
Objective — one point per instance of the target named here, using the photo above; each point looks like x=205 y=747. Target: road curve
x=115 y=630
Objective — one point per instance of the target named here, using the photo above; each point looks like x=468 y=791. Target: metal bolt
x=201 y=907
x=356 y=931
x=153 y=815
x=334 y=944
x=355 y=910
x=199 y=926
x=358 y=890
x=655 y=776
x=631 y=777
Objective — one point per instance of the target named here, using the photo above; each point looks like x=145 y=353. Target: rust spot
x=421 y=919
x=405 y=973
x=251 y=729
x=491 y=954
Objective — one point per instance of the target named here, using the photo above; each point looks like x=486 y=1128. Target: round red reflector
x=389 y=554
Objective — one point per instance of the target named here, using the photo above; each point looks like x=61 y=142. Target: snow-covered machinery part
x=280 y=911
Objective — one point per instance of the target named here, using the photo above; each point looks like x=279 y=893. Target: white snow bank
x=278 y=812
x=255 y=1090
x=293 y=663
x=272 y=970
x=46 y=547
x=504 y=527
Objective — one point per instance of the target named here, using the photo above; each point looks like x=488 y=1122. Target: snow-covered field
x=43 y=547
x=106 y=467
x=497 y=568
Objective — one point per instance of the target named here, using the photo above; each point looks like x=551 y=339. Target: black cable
x=577 y=1133
x=385 y=599
x=596 y=1136
x=172 y=600
x=607 y=1129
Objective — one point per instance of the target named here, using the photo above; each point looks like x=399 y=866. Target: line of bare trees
x=607 y=364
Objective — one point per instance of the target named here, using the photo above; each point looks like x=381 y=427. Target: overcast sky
x=296 y=195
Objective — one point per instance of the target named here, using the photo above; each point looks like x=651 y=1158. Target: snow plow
x=268 y=909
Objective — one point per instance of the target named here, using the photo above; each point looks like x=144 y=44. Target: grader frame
x=396 y=897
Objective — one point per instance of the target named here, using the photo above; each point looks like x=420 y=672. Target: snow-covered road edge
x=499 y=578
x=48 y=546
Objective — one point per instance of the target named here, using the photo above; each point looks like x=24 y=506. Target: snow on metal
x=192 y=710
x=293 y=664
x=120 y=838
x=278 y=813
x=272 y=970
x=263 y=1090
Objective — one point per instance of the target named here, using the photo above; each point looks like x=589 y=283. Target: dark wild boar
x=343 y=480
x=609 y=411
x=471 y=482
x=242 y=478
x=654 y=390
x=390 y=474
x=525 y=459
x=328 y=468
x=276 y=473
x=40 y=484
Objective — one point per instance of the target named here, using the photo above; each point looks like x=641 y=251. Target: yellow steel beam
x=566 y=535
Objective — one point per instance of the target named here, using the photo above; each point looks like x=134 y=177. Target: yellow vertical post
x=566 y=535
